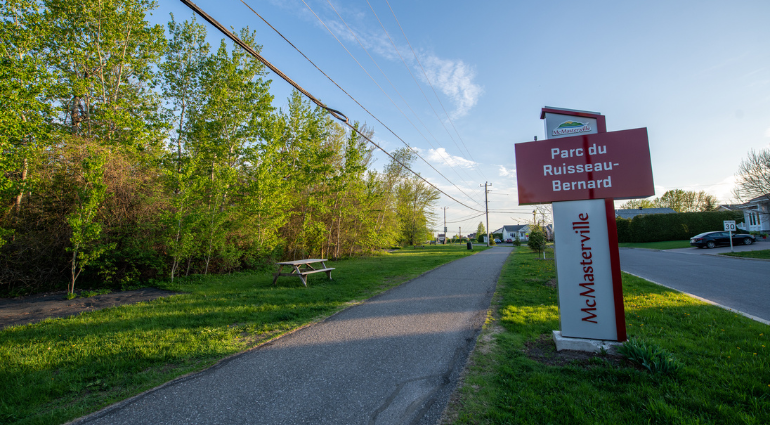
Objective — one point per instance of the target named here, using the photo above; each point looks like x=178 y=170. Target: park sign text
x=585 y=166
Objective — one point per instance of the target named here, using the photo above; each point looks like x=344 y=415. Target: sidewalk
x=391 y=360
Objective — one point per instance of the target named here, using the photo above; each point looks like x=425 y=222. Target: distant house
x=631 y=213
x=756 y=213
x=510 y=232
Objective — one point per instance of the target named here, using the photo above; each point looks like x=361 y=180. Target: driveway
x=392 y=360
x=736 y=283
x=756 y=246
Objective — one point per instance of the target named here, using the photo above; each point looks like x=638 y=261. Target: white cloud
x=454 y=79
x=505 y=172
x=767 y=132
x=441 y=155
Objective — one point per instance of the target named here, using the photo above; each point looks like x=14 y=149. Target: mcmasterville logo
x=569 y=127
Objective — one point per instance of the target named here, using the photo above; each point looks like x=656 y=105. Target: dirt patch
x=34 y=308
x=543 y=350
x=551 y=283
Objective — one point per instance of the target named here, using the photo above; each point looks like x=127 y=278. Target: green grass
x=60 y=369
x=725 y=377
x=763 y=254
x=657 y=245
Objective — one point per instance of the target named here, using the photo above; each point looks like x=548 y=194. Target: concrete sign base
x=584 y=344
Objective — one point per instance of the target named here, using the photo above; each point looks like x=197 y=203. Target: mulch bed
x=34 y=308
x=543 y=350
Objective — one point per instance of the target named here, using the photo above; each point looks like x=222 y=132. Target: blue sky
x=696 y=74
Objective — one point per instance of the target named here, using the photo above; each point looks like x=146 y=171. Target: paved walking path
x=392 y=360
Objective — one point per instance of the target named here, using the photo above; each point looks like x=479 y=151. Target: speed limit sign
x=729 y=225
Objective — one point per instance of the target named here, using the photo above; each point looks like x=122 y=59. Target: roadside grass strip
x=656 y=245
x=762 y=254
x=60 y=369
x=724 y=375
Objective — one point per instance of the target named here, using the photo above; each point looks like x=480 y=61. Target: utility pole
x=461 y=232
x=486 y=206
x=445 y=224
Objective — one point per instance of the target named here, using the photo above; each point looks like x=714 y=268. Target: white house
x=510 y=232
x=756 y=212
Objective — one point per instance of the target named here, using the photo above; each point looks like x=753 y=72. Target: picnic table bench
x=302 y=268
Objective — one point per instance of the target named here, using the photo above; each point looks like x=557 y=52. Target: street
x=740 y=284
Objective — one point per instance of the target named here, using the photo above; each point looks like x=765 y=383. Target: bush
x=671 y=227
x=650 y=356
x=537 y=240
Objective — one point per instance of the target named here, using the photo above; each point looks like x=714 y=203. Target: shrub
x=670 y=227
x=537 y=240
x=650 y=356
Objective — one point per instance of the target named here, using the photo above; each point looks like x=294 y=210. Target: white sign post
x=730 y=228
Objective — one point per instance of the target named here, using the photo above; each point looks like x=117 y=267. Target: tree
x=687 y=201
x=753 y=177
x=25 y=82
x=634 y=204
x=537 y=240
x=678 y=200
x=481 y=231
x=86 y=230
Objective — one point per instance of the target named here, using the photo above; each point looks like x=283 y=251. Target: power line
x=466 y=219
x=383 y=91
x=337 y=114
x=430 y=84
x=415 y=81
x=446 y=160
x=344 y=91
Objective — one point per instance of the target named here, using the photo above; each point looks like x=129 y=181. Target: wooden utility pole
x=486 y=206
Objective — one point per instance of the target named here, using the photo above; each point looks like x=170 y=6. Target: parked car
x=509 y=240
x=712 y=239
x=497 y=240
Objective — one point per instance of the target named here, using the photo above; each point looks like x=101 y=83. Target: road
x=743 y=285
x=394 y=359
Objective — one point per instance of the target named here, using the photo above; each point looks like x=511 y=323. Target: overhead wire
x=430 y=84
x=417 y=83
x=438 y=151
x=349 y=95
x=337 y=114
x=446 y=160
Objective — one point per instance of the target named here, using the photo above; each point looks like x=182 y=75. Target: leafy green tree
x=184 y=58
x=537 y=240
x=25 y=82
x=104 y=54
x=86 y=230
x=638 y=203
x=481 y=231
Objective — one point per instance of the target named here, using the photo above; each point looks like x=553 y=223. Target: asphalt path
x=394 y=359
x=739 y=284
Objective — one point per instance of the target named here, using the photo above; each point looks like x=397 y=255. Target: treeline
x=679 y=200
x=131 y=151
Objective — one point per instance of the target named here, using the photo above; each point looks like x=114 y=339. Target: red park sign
x=592 y=166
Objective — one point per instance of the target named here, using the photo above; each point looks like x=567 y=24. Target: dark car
x=712 y=239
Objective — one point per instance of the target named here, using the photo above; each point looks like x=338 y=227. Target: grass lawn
x=726 y=357
x=657 y=245
x=60 y=369
x=764 y=254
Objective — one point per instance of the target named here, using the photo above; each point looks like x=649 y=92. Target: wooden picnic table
x=302 y=268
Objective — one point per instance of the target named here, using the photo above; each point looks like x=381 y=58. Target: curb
x=755 y=318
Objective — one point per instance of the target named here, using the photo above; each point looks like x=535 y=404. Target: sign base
x=584 y=344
